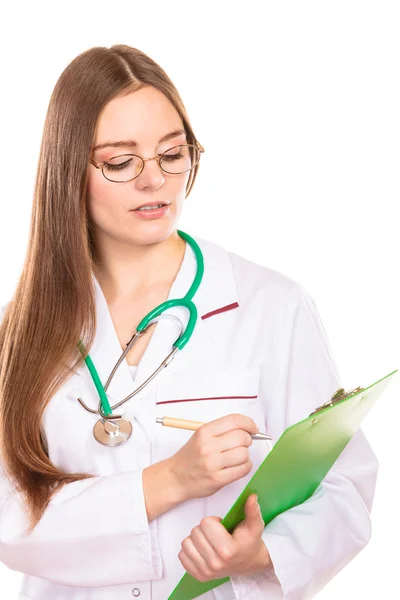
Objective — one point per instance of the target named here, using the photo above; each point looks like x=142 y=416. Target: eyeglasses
x=176 y=160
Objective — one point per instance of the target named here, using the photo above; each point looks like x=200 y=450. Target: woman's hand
x=214 y=456
x=211 y=552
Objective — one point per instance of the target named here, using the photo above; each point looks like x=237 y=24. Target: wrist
x=174 y=483
x=264 y=560
x=261 y=562
x=264 y=557
x=160 y=489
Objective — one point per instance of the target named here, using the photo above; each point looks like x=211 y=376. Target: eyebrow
x=132 y=143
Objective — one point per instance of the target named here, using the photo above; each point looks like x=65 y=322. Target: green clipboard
x=297 y=464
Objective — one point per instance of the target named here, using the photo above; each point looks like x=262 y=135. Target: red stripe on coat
x=220 y=310
x=212 y=398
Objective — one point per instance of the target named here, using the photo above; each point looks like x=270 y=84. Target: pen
x=193 y=425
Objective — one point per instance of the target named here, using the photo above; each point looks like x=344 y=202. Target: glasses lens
x=123 y=168
x=126 y=167
x=180 y=159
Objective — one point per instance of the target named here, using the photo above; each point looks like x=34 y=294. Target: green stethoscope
x=113 y=430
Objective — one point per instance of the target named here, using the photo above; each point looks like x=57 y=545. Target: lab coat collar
x=217 y=291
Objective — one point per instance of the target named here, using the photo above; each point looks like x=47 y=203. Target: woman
x=81 y=519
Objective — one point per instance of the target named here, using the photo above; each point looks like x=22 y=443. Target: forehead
x=144 y=116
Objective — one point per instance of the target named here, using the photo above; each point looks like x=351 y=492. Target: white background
x=297 y=106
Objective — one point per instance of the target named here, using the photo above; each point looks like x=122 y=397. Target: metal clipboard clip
x=337 y=397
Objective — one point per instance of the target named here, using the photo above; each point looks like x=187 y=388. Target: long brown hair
x=38 y=353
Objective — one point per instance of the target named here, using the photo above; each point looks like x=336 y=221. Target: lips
x=152 y=204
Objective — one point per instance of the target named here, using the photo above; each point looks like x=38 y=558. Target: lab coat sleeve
x=93 y=533
x=310 y=543
x=88 y=525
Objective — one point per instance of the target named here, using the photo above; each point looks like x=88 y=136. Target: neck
x=124 y=270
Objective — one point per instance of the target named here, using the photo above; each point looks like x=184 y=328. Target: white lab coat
x=266 y=355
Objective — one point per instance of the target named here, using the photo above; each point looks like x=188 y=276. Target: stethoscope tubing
x=104 y=408
x=131 y=342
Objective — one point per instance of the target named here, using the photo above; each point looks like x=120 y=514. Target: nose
x=151 y=176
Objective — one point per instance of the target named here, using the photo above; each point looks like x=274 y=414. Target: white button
x=135 y=592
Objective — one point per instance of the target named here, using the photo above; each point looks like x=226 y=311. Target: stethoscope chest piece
x=112 y=433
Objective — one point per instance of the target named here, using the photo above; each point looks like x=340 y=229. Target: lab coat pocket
x=204 y=398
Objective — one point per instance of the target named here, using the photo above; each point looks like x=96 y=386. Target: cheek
x=103 y=203
x=178 y=191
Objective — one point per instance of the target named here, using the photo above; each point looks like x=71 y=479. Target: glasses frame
x=158 y=158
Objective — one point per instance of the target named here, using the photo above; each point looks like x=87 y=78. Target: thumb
x=253 y=516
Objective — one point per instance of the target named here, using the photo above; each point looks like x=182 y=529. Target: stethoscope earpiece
x=128 y=415
x=74 y=394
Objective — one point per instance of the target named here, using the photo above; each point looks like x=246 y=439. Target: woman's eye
x=117 y=166
x=171 y=157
